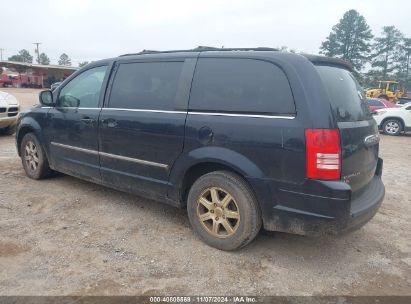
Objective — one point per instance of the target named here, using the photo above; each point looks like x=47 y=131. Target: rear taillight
x=323 y=152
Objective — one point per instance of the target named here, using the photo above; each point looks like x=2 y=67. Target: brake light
x=323 y=153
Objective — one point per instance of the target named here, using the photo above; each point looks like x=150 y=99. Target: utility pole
x=38 y=53
x=1 y=54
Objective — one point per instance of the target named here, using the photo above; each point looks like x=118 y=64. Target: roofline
x=328 y=60
x=201 y=49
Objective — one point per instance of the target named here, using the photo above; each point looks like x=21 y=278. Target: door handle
x=110 y=122
x=87 y=120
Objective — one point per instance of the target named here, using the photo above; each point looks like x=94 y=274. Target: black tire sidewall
x=250 y=219
x=392 y=120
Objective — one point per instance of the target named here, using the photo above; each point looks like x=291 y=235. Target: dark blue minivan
x=242 y=138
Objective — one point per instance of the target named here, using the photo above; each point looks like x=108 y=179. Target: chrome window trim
x=187 y=112
x=146 y=110
x=241 y=115
x=104 y=154
x=203 y=113
x=78 y=108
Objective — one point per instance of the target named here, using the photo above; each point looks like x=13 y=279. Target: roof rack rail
x=202 y=49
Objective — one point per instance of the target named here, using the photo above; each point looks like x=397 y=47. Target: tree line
x=374 y=58
x=25 y=56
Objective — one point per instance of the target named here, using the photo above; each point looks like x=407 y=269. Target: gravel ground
x=66 y=236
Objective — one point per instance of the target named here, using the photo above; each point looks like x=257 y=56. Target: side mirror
x=46 y=98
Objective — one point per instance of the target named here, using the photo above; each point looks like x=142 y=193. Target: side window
x=146 y=85
x=84 y=90
x=240 y=85
x=408 y=108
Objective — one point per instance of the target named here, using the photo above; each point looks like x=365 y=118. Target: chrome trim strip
x=120 y=157
x=146 y=110
x=134 y=160
x=202 y=113
x=241 y=115
x=78 y=108
x=184 y=112
x=94 y=152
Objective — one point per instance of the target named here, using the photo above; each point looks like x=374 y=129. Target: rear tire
x=223 y=210
x=392 y=127
x=33 y=157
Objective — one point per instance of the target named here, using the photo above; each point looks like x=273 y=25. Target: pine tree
x=64 y=59
x=44 y=59
x=349 y=40
x=22 y=56
x=387 y=51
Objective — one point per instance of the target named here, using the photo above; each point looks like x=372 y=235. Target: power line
x=38 y=53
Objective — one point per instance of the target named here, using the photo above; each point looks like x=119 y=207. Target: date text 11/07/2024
x=204 y=299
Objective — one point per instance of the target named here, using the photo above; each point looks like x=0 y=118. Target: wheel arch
x=393 y=117
x=205 y=160
x=28 y=126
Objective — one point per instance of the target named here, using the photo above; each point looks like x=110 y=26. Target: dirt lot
x=67 y=236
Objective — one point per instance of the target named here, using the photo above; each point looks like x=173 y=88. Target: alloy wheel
x=31 y=156
x=392 y=127
x=218 y=212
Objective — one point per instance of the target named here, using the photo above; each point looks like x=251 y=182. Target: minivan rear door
x=358 y=130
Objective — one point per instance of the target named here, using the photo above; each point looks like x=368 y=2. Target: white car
x=393 y=121
x=9 y=111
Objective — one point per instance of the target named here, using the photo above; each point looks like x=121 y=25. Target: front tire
x=34 y=159
x=392 y=127
x=223 y=210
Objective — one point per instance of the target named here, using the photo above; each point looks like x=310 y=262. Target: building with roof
x=21 y=74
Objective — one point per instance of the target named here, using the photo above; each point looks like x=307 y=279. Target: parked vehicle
x=239 y=137
x=394 y=121
x=5 y=81
x=9 y=111
x=376 y=104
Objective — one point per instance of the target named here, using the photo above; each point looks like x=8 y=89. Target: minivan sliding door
x=142 y=126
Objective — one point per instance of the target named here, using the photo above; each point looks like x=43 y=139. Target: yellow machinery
x=386 y=89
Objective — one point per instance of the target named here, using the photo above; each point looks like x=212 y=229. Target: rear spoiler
x=329 y=60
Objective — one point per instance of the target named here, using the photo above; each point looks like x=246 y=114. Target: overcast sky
x=96 y=29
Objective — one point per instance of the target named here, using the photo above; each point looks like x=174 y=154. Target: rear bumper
x=323 y=207
x=365 y=206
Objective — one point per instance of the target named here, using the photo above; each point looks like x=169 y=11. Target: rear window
x=240 y=85
x=345 y=94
